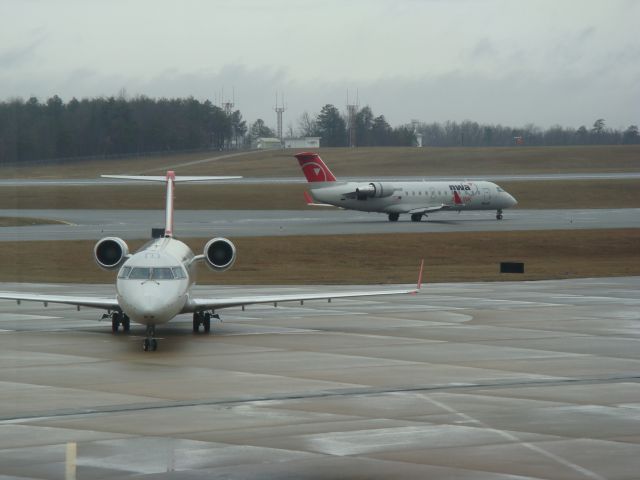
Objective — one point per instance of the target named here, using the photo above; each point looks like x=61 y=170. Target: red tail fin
x=314 y=168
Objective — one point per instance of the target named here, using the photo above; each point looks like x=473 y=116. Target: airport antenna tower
x=279 y=111
x=227 y=105
x=352 y=111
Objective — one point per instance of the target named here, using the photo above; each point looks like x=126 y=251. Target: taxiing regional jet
x=154 y=284
x=414 y=198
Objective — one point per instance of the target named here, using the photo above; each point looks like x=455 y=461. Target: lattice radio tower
x=279 y=111
x=352 y=111
x=227 y=105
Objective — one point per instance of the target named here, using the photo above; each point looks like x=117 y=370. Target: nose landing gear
x=499 y=214
x=150 y=343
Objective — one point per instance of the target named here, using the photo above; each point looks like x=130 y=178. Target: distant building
x=302 y=142
x=266 y=143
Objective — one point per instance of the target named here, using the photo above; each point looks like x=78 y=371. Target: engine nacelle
x=220 y=254
x=374 y=190
x=110 y=252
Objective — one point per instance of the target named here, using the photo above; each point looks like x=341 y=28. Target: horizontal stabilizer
x=163 y=178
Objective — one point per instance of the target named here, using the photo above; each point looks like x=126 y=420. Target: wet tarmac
x=464 y=381
x=136 y=224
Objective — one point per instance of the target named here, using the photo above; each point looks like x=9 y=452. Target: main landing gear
x=150 y=343
x=393 y=217
x=416 y=217
x=117 y=319
x=499 y=214
x=204 y=319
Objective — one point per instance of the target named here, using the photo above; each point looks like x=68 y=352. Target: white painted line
x=514 y=438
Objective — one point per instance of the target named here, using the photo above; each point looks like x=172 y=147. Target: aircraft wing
x=93 y=302
x=196 y=304
x=435 y=208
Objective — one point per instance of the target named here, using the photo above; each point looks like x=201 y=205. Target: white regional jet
x=415 y=198
x=154 y=284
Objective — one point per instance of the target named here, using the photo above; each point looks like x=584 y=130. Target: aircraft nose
x=511 y=200
x=149 y=302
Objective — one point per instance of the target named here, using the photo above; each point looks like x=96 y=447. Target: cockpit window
x=140 y=273
x=178 y=272
x=499 y=190
x=152 y=273
x=162 y=274
x=124 y=272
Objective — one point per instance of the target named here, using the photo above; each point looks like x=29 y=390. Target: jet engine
x=374 y=190
x=219 y=254
x=110 y=252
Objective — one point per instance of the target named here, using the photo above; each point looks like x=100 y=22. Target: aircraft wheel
x=146 y=345
x=207 y=323
x=196 y=322
x=153 y=344
x=393 y=217
x=416 y=217
x=126 y=324
x=115 y=322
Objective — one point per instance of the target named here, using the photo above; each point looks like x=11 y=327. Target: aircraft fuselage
x=153 y=284
x=403 y=197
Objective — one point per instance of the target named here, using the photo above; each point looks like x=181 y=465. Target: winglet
x=420 y=275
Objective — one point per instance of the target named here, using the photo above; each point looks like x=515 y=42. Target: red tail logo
x=456 y=198
x=314 y=168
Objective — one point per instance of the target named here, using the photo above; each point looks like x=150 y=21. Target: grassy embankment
x=363 y=259
x=365 y=162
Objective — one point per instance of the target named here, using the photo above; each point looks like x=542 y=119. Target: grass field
x=366 y=162
x=537 y=194
x=363 y=259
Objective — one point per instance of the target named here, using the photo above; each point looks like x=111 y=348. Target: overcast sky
x=495 y=61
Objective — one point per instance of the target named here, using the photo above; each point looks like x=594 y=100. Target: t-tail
x=170 y=178
x=314 y=168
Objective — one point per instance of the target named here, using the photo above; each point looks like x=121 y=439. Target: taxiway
x=466 y=381
x=136 y=224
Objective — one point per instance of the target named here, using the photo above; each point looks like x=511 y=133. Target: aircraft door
x=487 y=196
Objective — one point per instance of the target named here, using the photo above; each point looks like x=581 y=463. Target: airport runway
x=477 y=381
x=36 y=182
x=137 y=224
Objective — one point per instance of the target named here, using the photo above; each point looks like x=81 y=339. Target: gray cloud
x=497 y=61
x=14 y=56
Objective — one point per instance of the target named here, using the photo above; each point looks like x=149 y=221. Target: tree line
x=473 y=134
x=31 y=130
x=98 y=127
